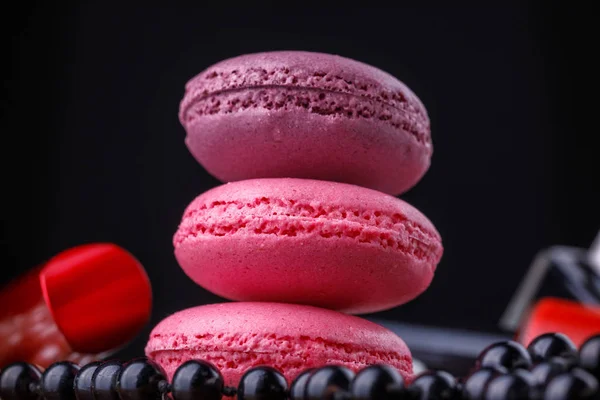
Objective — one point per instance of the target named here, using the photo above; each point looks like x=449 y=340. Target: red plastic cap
x=99 y=295
x=577 y=321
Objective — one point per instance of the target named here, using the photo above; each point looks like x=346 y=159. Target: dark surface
x=93 y=150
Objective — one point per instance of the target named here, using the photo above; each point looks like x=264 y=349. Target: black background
x=93 y=150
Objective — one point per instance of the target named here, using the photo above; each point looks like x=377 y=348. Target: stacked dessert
x=308 y=230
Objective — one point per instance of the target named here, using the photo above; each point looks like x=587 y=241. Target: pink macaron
x=320 y=243
x=288 y=337
x=306 y=115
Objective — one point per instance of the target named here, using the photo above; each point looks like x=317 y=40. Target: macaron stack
x=308 y=230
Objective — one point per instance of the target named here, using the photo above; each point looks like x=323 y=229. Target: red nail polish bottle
x=81 y=305
x=578 y=321
x=574 y=307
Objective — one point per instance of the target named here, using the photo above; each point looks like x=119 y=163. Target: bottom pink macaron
x=291 y=338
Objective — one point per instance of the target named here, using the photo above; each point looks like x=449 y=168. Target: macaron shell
x=294 y=143
x=306 y=115
x=332 y=275
x=305 y=69
x=291 y=338
x=320 y=243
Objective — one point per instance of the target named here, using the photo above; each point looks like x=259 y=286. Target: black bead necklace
x=550 y=368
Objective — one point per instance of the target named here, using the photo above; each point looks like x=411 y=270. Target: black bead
x=476 y=384
x=298 y=386
x=17 y=380
x=104 y=381
x=380 y=382
x=140 y=380
x=589 y=356
x=568 y=362
x=510 y=355
x=326 y=381
x=433 y=385
x=262 y=383
x=523 y=373
x=577 y=384
x=197 y=380
x=83 y=381
x=545 y=371
x=551 y=345
x=513 y=386
x=57 y=381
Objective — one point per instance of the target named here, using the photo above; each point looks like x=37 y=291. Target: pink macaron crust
x=320 y=243
x=291 y=338
x=306 y=115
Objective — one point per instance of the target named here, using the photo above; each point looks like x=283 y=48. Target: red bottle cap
x=99 y=296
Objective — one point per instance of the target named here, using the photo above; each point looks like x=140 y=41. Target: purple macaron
x=306 y=115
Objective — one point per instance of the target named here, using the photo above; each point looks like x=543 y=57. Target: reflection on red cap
x=99 y=296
